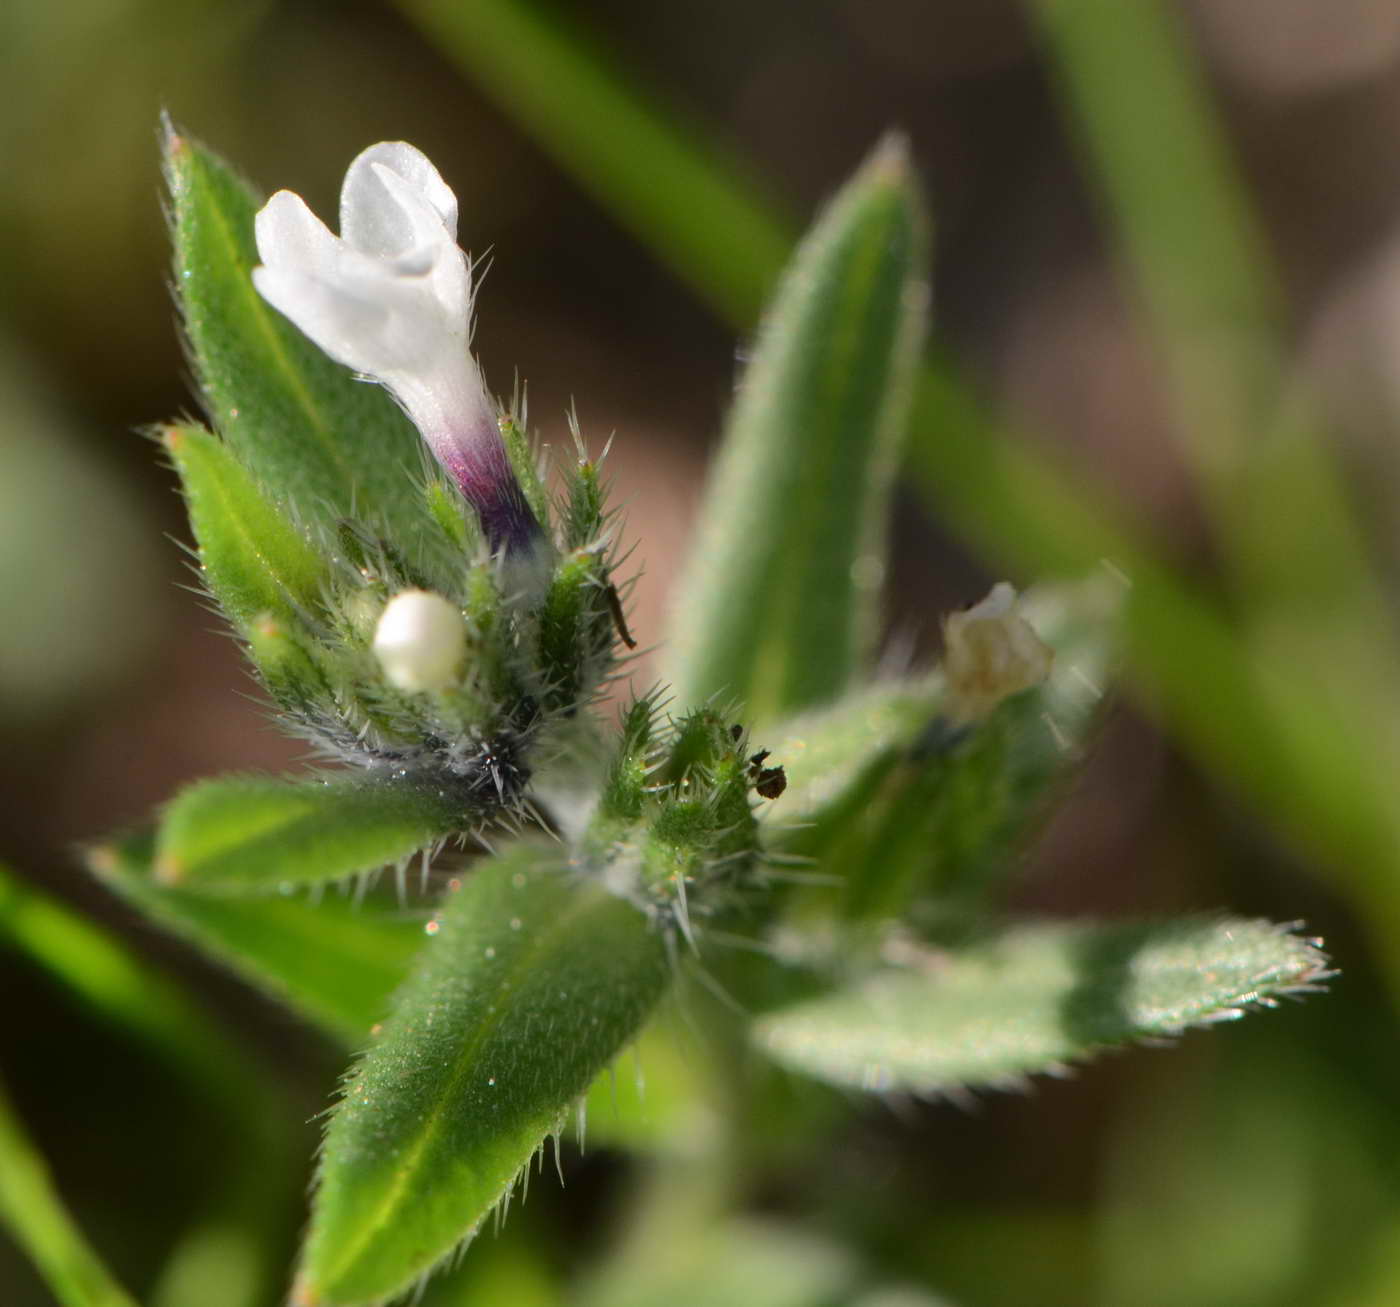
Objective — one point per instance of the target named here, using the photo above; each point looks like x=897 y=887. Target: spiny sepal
x=675 y=823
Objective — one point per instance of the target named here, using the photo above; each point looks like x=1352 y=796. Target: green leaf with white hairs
x=535 y=980
x=893 y=799
x=335 y=961
x=330 y=445
x=1034 y=999
x=254 y=560
x=779 y=610
x=245 y=833
x=824 y=752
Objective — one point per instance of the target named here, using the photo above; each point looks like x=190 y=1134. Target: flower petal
x=350 y=328
x=289 y=235
x=434 y=252
x=372 y=219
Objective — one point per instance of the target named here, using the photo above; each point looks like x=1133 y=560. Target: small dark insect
x=618 y=616
x=736 y=732
x=768 y=782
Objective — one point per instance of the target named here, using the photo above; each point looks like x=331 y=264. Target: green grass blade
x=91 y=964
x=780 y=607
x=664 y=178
x=329 y=446
x=34 y=1213
x=241 y=833
x=1035 y=998
x=336 y=962
x=533 y=982
x=246 y=1214
x=1212 y=301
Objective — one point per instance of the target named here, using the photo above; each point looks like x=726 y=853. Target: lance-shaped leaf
x=779 y=610
x=302 y=425
x=336 y=961
x=891 y=798
x=1035 y=998
x=241 y=833
x=253 y=559
x=825 y=752
x=536 y=977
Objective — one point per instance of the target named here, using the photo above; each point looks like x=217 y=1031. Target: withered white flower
x=391 y=297
x=990 y=652
x=420 y=641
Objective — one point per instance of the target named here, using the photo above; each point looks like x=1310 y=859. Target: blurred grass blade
x=943 y=809
x=691 y=202
x=534 y=980
x=91 y=964
x=247 y=1212
x=1142 y=110
x=34 y=1213
x=1035 y=998
x=332 y=446
x=510 y=1268
x=658 y=1100
x=756 y=1263
x=252 y=558
x=780 y=607
x=1289 y=530
x=242 y=833
x=336 y=962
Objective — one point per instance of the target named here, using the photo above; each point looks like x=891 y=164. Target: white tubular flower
x=391 y=297
x=420 y=641
x=990 y=653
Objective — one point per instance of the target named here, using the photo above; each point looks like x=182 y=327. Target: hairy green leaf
x=1034 y=998
x=240 y=833
x=779 y=610
x=535 y=979
x=335 y=961
x=254 y=560
x=825 y=752
x=332 y=446
x=891 y=798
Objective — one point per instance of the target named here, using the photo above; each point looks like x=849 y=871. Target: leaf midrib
x=282 y=577
x=407 y=1169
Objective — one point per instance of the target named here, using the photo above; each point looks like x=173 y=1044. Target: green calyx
x=676 y=824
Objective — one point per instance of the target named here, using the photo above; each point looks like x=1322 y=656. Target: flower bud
x=990 y=653
x=420 y=641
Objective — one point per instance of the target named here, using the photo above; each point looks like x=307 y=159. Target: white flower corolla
x=420 y=641
x=990 y=652
x=391 y=297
